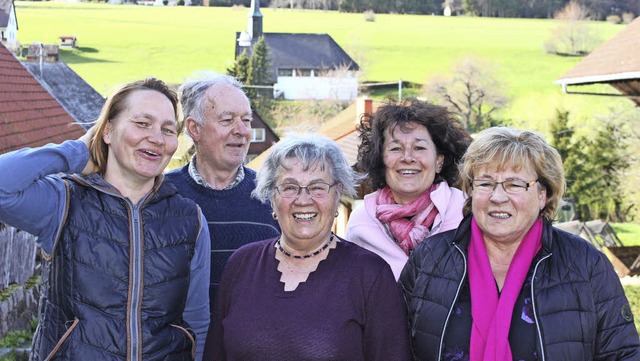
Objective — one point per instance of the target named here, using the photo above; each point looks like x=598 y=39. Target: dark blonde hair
x=115 y=104
x=507 y=148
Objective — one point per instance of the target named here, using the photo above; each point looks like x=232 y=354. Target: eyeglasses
x=315 y=190
x=510 y=186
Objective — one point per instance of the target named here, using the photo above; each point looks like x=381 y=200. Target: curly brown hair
x=446 y=130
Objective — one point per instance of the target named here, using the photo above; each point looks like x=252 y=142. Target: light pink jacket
x=365 y=230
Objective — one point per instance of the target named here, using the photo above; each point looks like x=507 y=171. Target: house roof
x=5 y=12
x=616 y=62
x=341 y=129
x=76 y=96
x=303 y=51
x=29 y=115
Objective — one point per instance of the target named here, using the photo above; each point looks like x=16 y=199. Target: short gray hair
x=192 y=92
x=311 y=150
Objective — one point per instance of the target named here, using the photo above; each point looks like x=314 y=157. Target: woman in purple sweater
x=307 y=295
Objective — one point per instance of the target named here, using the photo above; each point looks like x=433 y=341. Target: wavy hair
x=311 y=151
x=448 y=134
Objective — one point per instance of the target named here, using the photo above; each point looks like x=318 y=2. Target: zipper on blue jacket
x=446 y=321
x=533 y=303
x=136 y=286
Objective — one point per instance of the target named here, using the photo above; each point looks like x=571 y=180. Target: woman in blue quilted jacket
x=125 y=269
x=507 y=285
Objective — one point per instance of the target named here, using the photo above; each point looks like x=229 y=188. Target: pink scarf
x=407 y=232
x=492 y=313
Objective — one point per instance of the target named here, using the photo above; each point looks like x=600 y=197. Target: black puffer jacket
x=580 y=308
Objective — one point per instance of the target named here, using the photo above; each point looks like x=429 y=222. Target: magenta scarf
x=409 y=224
x=492 y=313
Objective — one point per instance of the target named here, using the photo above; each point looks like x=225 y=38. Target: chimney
x=255 y=20
x=364 y=106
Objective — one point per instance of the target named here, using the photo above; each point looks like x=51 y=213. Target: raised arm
x=32 y=198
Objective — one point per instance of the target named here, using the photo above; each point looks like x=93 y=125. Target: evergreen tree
x=240 y=68
x=561 y=134
x=469 y=7
x=593 y=167
x=259 y=69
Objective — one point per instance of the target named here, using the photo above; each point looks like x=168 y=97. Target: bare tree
x=573 y=35
x=472 y=91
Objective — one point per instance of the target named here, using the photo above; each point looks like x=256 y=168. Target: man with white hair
x=217 y=117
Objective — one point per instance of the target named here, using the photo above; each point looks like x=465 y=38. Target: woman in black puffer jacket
x=507 y=285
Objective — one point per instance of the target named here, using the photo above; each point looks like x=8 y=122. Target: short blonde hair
x=115 y=104
x=507 y=148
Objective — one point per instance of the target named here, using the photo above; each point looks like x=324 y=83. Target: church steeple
x=255 y=20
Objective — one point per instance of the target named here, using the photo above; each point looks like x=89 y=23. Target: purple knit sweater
x=350 y=308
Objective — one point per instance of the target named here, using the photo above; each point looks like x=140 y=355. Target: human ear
x=193 y=129
x=106 y=135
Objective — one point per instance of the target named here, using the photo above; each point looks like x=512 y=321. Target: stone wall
x=17 y=256
x=17 y=311
x=19 y=302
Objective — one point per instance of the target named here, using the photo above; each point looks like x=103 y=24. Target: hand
x=87 y=139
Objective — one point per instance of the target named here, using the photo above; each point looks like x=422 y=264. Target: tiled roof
x=303 y=51
x=616 y=59
x=5 y=9
x=29 y=115
x=76 y=96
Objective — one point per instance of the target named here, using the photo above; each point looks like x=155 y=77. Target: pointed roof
x=5 y=12
x=616 y=62
x=76 y=96
x=29 y=115
x=302 y=51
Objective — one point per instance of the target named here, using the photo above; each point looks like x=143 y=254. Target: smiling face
x=411 y=162
x=223 y=140
x=305 y=221
x=141 y=139
x=505 y=218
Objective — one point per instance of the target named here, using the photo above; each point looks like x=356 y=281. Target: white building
x=8 y=24
x=305 y=66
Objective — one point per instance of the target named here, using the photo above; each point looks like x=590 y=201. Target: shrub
x=614 y=19
x=627 y=17
x=369 y=15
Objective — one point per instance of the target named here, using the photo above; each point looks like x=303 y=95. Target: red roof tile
x=29 y=115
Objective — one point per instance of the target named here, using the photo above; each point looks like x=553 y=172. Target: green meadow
x=120 y=43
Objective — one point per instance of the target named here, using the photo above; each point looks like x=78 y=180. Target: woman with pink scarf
x=410 y=152
x=507 y=285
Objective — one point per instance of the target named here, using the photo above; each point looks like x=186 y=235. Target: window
x=285 y=72
x=303 y=72
x=258 y=135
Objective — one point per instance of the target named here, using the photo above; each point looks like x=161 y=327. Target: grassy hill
x=119 y=43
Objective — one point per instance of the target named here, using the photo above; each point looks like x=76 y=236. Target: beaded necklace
x=326 y=245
